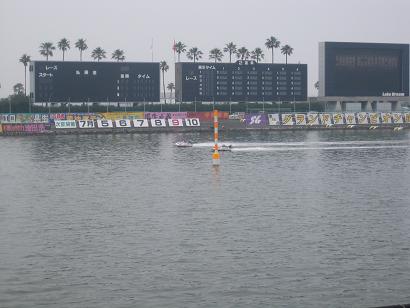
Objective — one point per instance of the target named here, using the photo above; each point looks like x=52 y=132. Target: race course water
x=305 y=218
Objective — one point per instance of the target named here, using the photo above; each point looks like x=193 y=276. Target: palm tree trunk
x=179 y=54
x=25 y=80
x=81 y=55
x=230 y=57
x=286 y=58
x=163 y=85
x=63 y=55
x=272 y=55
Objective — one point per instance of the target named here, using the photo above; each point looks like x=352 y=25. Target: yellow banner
x=122 y=115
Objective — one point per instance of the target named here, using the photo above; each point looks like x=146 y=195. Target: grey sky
x=132 y=24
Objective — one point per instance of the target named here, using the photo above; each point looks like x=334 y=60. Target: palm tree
x=18 y=89
x=216 y=54
x=118 y=55
x=25 y=59
x=171 y=87
x=81 y=45
x=272 y=43
x=231 y=49
x=98 y=54
x=180 y=48
x=242 y=53
x=46 y=49
x=63 y=45
x=257 y=54
x=194 y=54
x=287 y=51
x=163 y=67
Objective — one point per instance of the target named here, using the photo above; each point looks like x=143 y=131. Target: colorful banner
x=407 y=117
x=362 y=118
x=338 y=118
x=374 y=118
x=386 y=117
x=312 y=119
x=256 y=119
x=287 y=119
x=57 y=116
x=65 y=124
x=209 y=116
x=274 y=119
x=7 y=118
x=122 y=115
x=326 y=118
x=397 y=118
x=300 y=119
x=237 y=116
x=83 y=116
x=24 y=118
x=165 y=115
x=25 y=128
x=350 y=118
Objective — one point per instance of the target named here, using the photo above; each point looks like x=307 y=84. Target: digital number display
x=240 y=81
x=364 y=69
x=56 y=81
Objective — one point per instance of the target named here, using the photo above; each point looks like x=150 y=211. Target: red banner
x=25 y=128
x=208 y=116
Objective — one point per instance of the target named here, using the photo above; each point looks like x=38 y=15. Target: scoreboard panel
x=363 y=69
x=241 y=81
x=58 y=81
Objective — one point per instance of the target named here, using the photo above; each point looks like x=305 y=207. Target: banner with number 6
x=192 y=122
x=122 y=123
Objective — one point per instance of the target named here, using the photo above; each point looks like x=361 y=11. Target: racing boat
x=184 y=144
x=225 y=148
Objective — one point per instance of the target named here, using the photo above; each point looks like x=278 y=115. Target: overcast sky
x=131 y=25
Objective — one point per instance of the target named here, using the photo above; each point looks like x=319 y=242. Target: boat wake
x=310 y=145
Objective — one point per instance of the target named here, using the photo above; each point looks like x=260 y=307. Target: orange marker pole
x=215 y=154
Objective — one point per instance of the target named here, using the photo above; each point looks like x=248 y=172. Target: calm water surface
x=315 y=219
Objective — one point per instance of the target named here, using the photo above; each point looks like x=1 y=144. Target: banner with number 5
x=192 y=122
x=104 y=123
x=175 y=122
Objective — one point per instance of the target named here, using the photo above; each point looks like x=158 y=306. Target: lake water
x=309 y=219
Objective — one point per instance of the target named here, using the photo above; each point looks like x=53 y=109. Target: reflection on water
x=309 y=218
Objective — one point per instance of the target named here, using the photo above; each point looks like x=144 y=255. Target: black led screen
x=95 y=81
x=360 y=69
x=241 y=81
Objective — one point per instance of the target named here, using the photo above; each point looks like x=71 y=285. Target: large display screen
x=95 y=81
x=241 y=81
x=366 y=69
